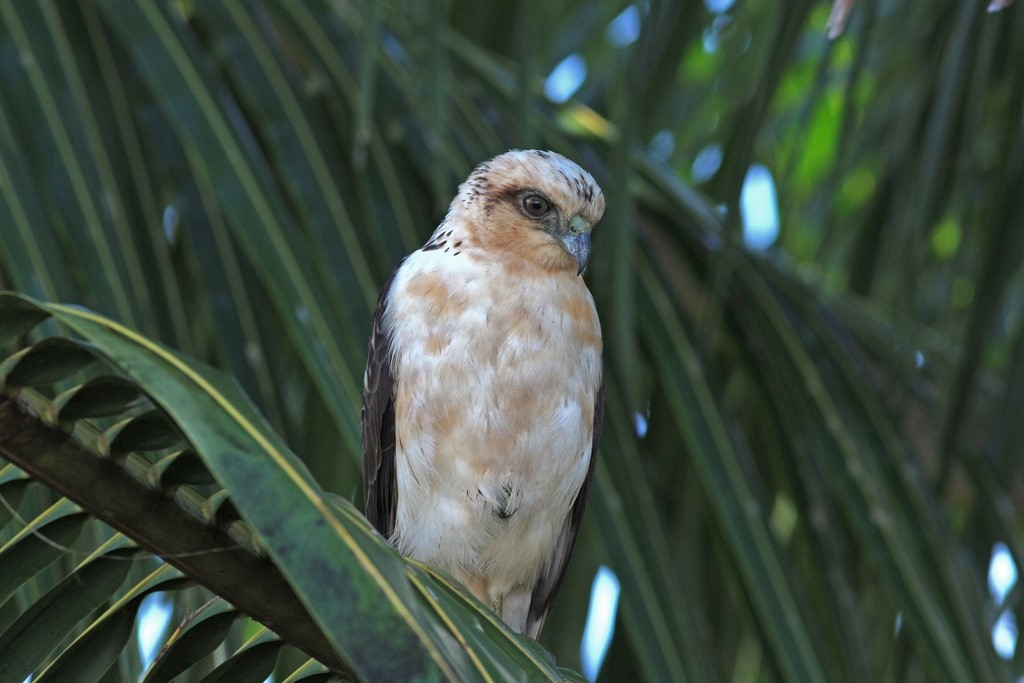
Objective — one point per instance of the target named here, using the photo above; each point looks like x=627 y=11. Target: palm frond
x=809 y=452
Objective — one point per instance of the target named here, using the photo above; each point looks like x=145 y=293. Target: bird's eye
x=535 y=205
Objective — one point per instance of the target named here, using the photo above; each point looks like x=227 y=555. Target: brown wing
x=380 y=491
x=551 y=579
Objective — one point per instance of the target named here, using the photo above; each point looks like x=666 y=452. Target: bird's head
x=533 y=207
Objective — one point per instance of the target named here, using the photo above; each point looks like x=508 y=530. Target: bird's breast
x=496 y=379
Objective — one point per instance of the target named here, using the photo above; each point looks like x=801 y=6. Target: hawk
x=484 y=392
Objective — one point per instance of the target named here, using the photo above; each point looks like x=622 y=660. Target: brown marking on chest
x=441 y=419
x=438 y=339
x=521 y=324
x=583 y=318
x=433 y=295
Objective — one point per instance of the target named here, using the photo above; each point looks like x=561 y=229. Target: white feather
x=449 y=481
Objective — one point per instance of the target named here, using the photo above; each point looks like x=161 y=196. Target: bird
x=484 y=388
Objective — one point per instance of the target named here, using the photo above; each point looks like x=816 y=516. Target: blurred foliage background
x=812 y=440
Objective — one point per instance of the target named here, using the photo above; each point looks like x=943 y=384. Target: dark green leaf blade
x=201 y=636
x=43 y=627
x=39 y=544
x=92 y=653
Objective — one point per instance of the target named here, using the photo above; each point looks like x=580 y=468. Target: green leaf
x=19 y=317
x=239 y=180
x=201 y=636
x=101 y=397
x=45 y=363
x=26 y=642
x=97 y=648
x=735 y=505
x=43 y=541
x=254 y=661
x=150 y=431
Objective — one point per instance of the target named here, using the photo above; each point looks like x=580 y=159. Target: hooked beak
x=577 y=242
